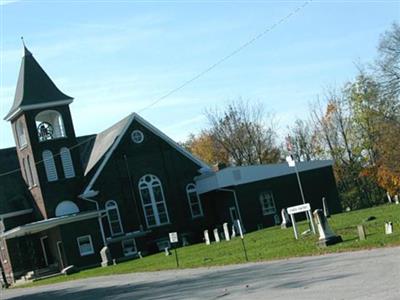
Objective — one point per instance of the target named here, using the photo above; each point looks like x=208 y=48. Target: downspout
x=98 y=212
x=236 y=204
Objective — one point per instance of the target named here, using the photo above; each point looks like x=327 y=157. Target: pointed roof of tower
x=34 y=88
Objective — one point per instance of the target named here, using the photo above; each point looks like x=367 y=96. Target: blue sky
x=116 y=57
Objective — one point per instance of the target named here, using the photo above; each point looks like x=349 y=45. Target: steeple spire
x=34 y=87
x=26 y=51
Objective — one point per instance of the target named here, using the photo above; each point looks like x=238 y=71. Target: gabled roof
x=108 y=140
x=104 y=140
x=245 y=174
x=35 y=88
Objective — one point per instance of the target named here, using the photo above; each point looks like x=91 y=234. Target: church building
x=64 y=197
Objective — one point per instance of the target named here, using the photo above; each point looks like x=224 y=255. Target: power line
x=199 y=75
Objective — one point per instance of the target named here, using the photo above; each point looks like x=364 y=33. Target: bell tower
x=45 y=138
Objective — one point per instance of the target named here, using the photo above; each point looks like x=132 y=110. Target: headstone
x=233 y=231
x=167 y=252
x=106 y=259
x=216 y=235
x=206 y=237
x=285 y=219
x=388 y=227
x=361 y=232
x=277 y=220
x=326 y=235
x=226 y=231
x=325 y=207
x=396 y=199
x=389 y=198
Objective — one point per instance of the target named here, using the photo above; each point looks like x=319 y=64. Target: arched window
x=114 y=219
x=25 y=166
x=31 y=179
x=49 y=165
x=66 y=208
x=194 y=201
x=153 y=200
x=67 y=164
x=21 y=137
x=49 y=125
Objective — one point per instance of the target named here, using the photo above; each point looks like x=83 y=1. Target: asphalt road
x=373 y=274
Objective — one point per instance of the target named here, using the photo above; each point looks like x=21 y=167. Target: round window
x=137 y=136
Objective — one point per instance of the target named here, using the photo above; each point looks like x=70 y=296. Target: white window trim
x=153 y=202
x=191 y=188
x=140 y=133
x=130 y=253
x=263 y=208
x=119 y=217
x=91 y=245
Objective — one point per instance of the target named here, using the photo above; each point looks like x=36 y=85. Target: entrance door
x=61 y=256
x=48 y=258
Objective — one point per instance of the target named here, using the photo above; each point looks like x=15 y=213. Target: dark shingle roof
x=34 y=86
x=14 y=194
x=103 y=142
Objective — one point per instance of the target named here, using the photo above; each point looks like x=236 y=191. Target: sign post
x=173 y=238
x=242 y=238
x=299 y=209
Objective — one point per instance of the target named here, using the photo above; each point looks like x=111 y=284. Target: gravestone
x=325 y=207
x=326 y=235
x=396 y=199
x=106 y=259
x=216 y=235
x=277 y=220
x=206 y=237
x=233 y=231
x=388 y=227
x=389 y=198
x=226 y=231
x=361 y=232
x=285 y=219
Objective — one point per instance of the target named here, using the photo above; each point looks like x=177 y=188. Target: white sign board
x=298 y=208
x=173 y=237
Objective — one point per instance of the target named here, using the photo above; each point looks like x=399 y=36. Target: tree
x=205 y=147
x=304 y=141
x=388 y=61
x=241 y=130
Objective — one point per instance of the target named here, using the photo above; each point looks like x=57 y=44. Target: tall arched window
x=21 y=137
x=194 y=201
x=49 y=165
x=32 y=181
x=153 y=200
x=49 y=125
x=67 y=164
x=25 y=165
x=114 y=219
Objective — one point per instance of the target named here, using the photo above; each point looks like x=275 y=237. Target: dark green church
x=63 y=198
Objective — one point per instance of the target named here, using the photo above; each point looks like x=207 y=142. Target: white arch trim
x=66 y=208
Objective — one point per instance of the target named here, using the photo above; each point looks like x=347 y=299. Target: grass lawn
x=267 y=244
